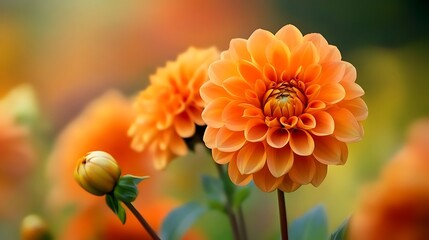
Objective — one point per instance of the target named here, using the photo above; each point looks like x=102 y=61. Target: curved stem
x=228 y=191
x=282 y=213
x=143 y=222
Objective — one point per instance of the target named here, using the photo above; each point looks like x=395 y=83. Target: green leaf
x=214 y=188
x=116 y=207
x=180 y=219
x=311 y=226
x=341 y=232
x=126 y=188
x=240 y=195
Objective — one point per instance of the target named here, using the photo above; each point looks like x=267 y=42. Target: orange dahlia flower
x=396 y=205
x=170 y=108
x=280 y=108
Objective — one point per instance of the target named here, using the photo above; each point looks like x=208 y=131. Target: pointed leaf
x=341 y=232
x=180 y=219
x=121 y=214
x=240 y=195
x=214 y=188
x=311 y=226
x=116 y=207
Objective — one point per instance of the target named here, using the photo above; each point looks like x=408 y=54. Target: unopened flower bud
x=34 y=228
x=97 y=172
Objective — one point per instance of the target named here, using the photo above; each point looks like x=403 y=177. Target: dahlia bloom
x=280 y=108
x=170 y=108
x=396 y=205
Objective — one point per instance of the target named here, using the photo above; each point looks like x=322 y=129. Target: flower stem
x=242 y=223
x=282 y=213
x=142 y=221
x=228 y=191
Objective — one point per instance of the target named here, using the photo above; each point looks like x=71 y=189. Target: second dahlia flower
x=170 y=107
x=280 y=108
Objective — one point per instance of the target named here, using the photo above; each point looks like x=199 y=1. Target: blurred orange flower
x=169 y=108
x=98 y=127
x=396 y=206
x=280 y=108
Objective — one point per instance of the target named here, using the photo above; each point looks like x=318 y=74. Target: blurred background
x=58 y=56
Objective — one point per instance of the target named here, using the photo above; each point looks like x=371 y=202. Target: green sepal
x=341 y=232
x=126 y=188
x=116 y=207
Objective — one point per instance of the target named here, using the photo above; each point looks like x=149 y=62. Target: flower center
x=284 y=99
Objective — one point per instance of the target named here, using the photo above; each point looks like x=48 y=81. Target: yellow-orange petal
x=324 y=124
x=290 y=35
x=223 y=157
x=330 y=151
x=256 y=45
x=210 y=91
x=278 y=54
x=265 y=181
x=249 y=72
x=233 y=118
x=212 y=114
x=331 y=93
x=312 y=73
x=319 y=176
x=209 y=137
x=278 y=137
x=315 y=105
x=332 y=72
x=256 y=130
x=235 y=175
x=221 y=70
x=306 y=121
x=251 y=158
x=303 y=170
x=303 y=56
x=229 y=141
x=177 y=145
x=352 y=89
x=357 y=107
x=301 y=142
x=236 y=86
x=279 y=161
x=184 y=125
x=328 y=53
x=238 y=49
x=350 y=73
x=347 y=128
x=287 y=185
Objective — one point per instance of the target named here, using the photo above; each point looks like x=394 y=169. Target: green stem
x=142 y=221
x=228 y=191
x=282 y=213
x=242 y=223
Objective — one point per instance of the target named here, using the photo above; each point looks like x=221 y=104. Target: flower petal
x=279 y=160
x=236 y=86
x=256 y=130
x=324 y=124
x=303 y=170
x=306 y=121
x=235 y=175
x=221 y=70
x=251 y=158
x=212 y=114
x=177 y=145
x=278 y=137
x=353 y=90
x=332 y=72
x=311 y=73
x=357 y=107
x=347 y=128
x=290 y=35
x=257 y=44
x=229 y=141
x=233 y=118
x=210 y=91
x=209 y=137
x=330 y=151
x=238 y=49
x=301 y=142
x=332 y=93
x=265 y=181
x=184 y=125
x=278 y=55
x=249 y=72
x=222 y=157
x=320 y=175
x=350 y=73
x=287 y=185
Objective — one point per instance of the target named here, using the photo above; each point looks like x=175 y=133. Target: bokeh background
x=57 y=56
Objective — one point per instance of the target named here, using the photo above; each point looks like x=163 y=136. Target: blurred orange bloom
x=280 y=108
x=103 y=126
x=396 y=206
x=169 y=108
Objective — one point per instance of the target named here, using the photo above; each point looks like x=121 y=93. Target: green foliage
x=240 y=194
x=116 y=207
x=311 y=226
x=126 y=188
x=180 y=219
x=214 y=189
x=341 y=232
